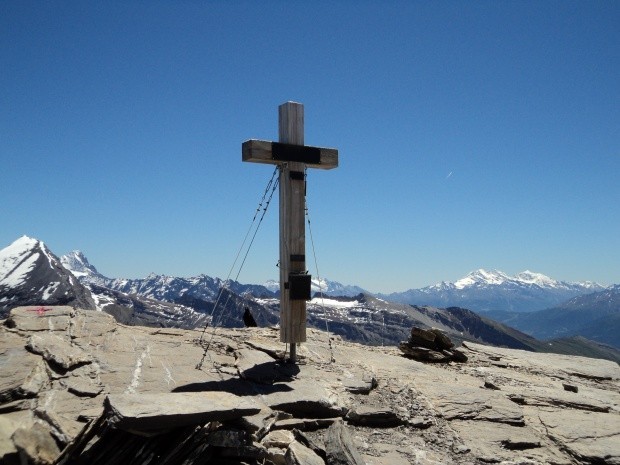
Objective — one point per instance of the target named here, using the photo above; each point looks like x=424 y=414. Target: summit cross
x=292 y=158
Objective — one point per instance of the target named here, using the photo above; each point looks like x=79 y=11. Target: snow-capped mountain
x=595 y=316
x=171 y=288
x=31 y=275
x=78 y=264
x=483 y=290
x=325 y=286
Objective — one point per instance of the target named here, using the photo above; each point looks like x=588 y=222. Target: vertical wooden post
x=292 y=158
x=292 y=226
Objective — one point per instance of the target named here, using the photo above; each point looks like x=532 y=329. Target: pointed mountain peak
x=22 y=244
x=30 y=274
x=482 y=277
x=18 y=259
x=78 y=264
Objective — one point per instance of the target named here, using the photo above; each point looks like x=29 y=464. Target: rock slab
x=149 y=412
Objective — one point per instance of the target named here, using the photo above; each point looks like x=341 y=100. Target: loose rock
x=339 y=446
x=147 y=412
x=432 y=346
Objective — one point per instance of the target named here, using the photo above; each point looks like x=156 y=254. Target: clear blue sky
x=471 y=134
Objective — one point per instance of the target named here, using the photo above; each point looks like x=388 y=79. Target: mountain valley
x=203 y=301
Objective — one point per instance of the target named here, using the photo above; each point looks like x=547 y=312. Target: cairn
x=431 y=346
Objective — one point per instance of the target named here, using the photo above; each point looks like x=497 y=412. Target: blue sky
x=470 y=134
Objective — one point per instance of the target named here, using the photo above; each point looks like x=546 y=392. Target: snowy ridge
x=16 y=261
x=32 y=275
x=482 y=277
x=78 y=264
x=37 y=277
x=326 y=286
x=480 y=290
x=483 y=290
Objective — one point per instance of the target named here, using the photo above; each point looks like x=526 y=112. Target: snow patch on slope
x=16 y=261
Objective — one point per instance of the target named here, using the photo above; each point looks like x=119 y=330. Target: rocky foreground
x=77 y=387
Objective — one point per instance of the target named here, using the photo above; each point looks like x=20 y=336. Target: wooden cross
x=292 y=158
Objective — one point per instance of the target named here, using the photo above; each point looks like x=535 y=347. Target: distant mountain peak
x=76 y=262
x=482 y=277
x=31 y=275
x=531 y=277
x=485 y=290
x=325 y=286
x=19 y=258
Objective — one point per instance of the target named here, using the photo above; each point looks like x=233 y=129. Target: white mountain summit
x=483 y=278
x=483 y=290
x=30 y=273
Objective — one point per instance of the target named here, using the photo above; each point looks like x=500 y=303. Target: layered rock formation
x=78 y=387
x=431 y=345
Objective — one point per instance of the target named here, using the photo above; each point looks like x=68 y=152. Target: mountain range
x=29 y=272
x=484 y=291
x=595 y=316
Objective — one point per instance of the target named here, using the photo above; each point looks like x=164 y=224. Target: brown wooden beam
x=262 y=151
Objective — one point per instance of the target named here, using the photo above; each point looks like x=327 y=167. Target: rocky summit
x=77 y=387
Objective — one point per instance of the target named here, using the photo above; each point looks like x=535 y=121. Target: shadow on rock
x=270 y=372
x=239 y=387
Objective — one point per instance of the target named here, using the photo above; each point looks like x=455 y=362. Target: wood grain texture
x=259 y=151
x=292 y=225
x=292 y=206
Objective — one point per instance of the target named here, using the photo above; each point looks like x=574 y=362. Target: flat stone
x=36 y=380
x=458 y=356
x=594 y=437
x=276 y=455
x=37 y=444
x=278 y=438
x=259 y=424
x=9 y=423
x=82 y=387
x=373 y=417
x=551 y=364
x=147 y=412
x=423 y=337
x=88 y=324
x=306 y=401
x=420 y=422
x=18 y=367
x=497 y=442
x=441 y=340
x=298 y=454
x=543 y=397
x=360 y=386
x=468 y=403
x=61 y=410
x=40 y=318
x=339 y=446
x=304 y=424
x=310 y=443
x=423 y=354
x=57 y=350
